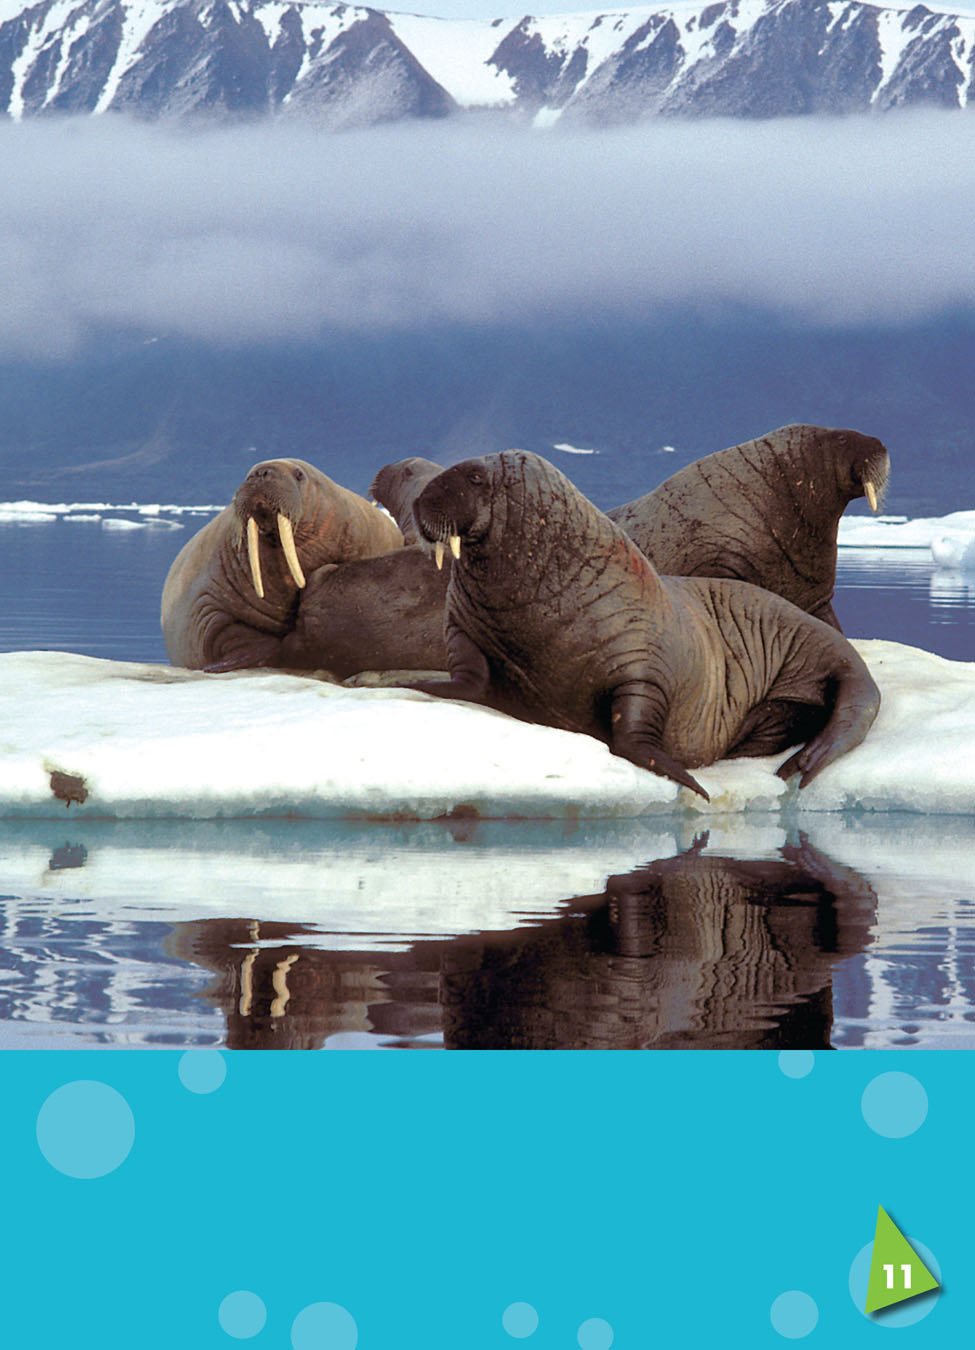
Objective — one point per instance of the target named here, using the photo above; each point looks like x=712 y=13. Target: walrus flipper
x=470 y=675
x=636 y=737
x=855 y=704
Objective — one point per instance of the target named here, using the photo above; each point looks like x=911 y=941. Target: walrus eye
x=475 y=476
x=299 y=475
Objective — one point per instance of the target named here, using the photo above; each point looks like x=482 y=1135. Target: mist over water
x=258 y=233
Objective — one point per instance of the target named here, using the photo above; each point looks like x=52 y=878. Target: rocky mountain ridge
x=345 y=66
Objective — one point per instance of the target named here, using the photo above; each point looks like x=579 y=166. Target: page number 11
x=905 y=1271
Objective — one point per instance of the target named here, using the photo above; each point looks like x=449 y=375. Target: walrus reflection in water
x=766 y=511
x=695 y=951
x=555 y=616
x=692 y=952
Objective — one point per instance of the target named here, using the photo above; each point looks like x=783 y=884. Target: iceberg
x=121 y=740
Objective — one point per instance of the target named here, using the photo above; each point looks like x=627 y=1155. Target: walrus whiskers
x=290 y=552
x=254 y=556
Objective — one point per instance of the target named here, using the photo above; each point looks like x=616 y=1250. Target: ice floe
x=899 y=532
x=141 y=741
x=128 y=516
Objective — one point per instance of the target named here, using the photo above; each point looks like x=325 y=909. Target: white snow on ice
x=568 y=449
x=150 y=741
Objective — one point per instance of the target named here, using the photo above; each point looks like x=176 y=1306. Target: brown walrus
x=381 y=613
x=766 y=511
x=397 y=486
x=233 y=590
x=553 y=614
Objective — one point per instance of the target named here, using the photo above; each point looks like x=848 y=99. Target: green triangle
x=896 y=1271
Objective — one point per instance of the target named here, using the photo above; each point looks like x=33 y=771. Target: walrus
x=233 y=589
x=766 y=511
x=554 y=615
x=396 y=487
x=383 y=613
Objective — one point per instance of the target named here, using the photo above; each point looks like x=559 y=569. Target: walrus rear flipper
x=854 y=705
x=636 y=738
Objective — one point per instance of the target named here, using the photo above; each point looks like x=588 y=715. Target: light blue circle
x=794 y=1314
x=85 y=1129
x=894 y=1105
x=202 y=1070
x=520 y=1320
x=901 y=1314
x=242 y=1314
x=324 y=1326
x=796 y=1063
x=595 y=1334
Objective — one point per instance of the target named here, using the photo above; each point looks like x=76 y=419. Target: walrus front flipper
x=470 y=675
x=635 y=736
x=855 y=704
x=247 y=649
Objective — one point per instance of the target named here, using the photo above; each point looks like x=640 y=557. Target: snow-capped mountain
x=346 y=66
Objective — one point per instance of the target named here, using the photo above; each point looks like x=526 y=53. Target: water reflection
x=698 y=949
x=692 y=951
x=903 y=596
x=626 y=934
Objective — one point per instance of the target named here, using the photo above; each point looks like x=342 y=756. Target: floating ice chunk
x=954 y=550
x=143 y=741
x=899 y=532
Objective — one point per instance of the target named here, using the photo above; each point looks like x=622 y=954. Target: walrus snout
x=871 y=468
x=270 y=502
x=452 y=507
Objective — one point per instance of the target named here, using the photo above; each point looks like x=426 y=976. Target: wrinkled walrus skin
x=766 y=511
x=554 y=615
x=212 y=613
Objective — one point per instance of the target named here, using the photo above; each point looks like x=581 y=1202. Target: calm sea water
x=483 y=935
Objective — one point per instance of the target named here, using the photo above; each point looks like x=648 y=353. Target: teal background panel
x=671 y=1194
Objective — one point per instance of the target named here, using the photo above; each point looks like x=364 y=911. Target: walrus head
x=396 y=487
x=868 y=465
x=455 y=506
x=861 y=463
x=269 y=504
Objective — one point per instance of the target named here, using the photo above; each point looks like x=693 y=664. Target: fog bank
x=271 y=231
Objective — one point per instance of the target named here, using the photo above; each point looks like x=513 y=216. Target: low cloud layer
x=270 y=232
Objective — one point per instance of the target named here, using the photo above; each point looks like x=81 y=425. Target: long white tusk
x=438 y=553
x=254 y=556
x=290 y=553
x=455 y=545
x=871 y=495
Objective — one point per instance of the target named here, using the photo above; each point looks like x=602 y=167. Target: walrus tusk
x=455 y=545
x=438 y=553
x=254 y=556
x=290 y=552
x=871 y=495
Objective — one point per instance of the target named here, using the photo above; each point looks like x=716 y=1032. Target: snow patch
x=456 y=53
